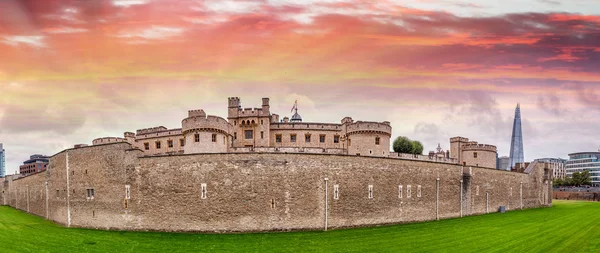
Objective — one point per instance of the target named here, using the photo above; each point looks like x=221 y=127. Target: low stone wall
x=239 y=192
x=586 y=196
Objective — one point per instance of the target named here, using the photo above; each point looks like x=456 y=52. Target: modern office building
x=557 y=165
x=582 y=161
x=36 y=163
x=2 y=161
x=516 y=142
x=503 y=163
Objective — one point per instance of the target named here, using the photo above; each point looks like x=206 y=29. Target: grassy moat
x=566 y=227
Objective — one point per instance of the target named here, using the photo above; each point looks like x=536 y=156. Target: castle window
x=262 y=135
x=146 y=146
x=197 y=137
x=292 y=137
x=370 y=191
x=235 y=122
x=307 y=138
x=399 y=191
x=418 y=191
x=474 y=154
x=261 y=122
x=90 y=193
x=408 y=191
x=278 y=138
x=170 y=143
x=158 y=145
x=336 y=191
x=336 y=139
x=376 y=140
x=58 y=193
x=322 y=138
x=214 y=137
x=203 y=191
x=248 y=134
x=127 y=192
x=235 y=135
x=182 y=142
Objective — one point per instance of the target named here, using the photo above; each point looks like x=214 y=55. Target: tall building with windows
x=557 y=165
x=2 y=161
x=582 y=161
x=516 y=142
x=35 y=164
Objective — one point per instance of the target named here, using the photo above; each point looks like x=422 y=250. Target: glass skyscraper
x=589 y=161
x=516 y=142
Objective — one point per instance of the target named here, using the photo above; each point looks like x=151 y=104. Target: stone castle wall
x=265 y=191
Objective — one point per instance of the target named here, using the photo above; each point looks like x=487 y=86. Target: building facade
x=557 y=165
x=503 y=163
x=2 y=161
x=257 y=129
x=35 y=164
x=471 y=153
x=516 y=143
x=583 y=161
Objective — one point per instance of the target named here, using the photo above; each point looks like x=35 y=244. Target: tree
x=558 y=182
x=403 y=145
x=417 y=148
x=581 y=178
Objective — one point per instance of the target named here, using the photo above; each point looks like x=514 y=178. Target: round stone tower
x=205 y=134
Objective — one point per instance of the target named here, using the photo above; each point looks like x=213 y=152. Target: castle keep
x=254 y=172
x=257 y=129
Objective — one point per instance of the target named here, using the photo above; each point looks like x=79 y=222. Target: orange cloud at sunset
x=97 y=68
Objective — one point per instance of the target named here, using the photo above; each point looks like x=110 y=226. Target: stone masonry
x=118 y=186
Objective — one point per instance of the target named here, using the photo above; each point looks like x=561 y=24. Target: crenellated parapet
x=474 y=146
x=151 y=130
x=205 y=123
x=365 y=127
x=306 y=126
x=106 y=140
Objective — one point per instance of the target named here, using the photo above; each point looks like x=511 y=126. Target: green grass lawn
x=566 y=227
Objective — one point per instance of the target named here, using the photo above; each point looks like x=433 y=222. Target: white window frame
x=408 y=191
x=400 y=191
x=370 y=191
x=90 y=194
x=203 y=191
x=127 y=192
x=336 y=191
x=418 y=191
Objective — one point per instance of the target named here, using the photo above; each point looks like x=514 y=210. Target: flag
x=295 y=106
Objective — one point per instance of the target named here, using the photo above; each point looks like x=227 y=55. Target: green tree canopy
x=403 y=144
x=417 y=147
x=581 y=178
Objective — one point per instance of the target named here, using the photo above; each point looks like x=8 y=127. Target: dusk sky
x=72 y=71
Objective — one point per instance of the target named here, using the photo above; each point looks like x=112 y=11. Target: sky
x=72 y=71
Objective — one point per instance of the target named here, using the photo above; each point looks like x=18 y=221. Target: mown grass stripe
x=566 y=227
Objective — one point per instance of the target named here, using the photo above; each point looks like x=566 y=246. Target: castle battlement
x=163 y=133
x=367 y=126
x=475 y=147
x=206 y=122
x=306 y=126
x=459 y=139
x=151 y=130
x=106 y=140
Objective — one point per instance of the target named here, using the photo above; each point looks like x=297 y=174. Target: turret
x=234 y=106
x=265 y=106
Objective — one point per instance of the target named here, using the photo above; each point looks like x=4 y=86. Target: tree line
x=578 y=179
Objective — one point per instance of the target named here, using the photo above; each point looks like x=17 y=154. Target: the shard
x=516 y=143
